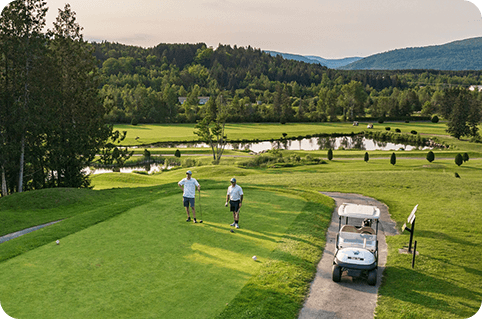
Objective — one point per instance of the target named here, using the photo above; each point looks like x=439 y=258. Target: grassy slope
x=446 y=282
x=145 y=261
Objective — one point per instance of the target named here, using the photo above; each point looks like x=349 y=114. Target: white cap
x=189 y=172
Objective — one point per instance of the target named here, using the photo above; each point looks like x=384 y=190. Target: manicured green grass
x=446 y=281
x=148 y=262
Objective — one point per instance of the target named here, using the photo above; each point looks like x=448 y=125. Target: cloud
x=478 y=3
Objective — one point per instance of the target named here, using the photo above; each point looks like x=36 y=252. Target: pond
x=312 y=144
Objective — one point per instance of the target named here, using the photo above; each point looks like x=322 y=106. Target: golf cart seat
x=366 y=229
x=358 y=230
x=356 y=240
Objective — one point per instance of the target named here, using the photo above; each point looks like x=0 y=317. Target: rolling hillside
x=453 y=56
x=329 y=63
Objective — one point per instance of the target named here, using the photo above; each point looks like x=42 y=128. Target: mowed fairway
x=148 y=262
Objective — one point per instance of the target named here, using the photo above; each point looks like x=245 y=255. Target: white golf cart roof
x=358 y=211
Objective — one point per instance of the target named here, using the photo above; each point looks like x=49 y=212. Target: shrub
x=393 y=159
x=190 y=162
x=367 y=157
x=387 y=128
x=430 y=156
x=407 y=121
x=381 y=120
x=459 y=159
x=398 y=130
x=435 y=119
x=465 y=157
x=177 y=153
x=134 y=121
x=330 y=154
x=414 y=132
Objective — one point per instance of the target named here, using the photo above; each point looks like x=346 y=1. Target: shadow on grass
x=417 y=288
x=445 y=237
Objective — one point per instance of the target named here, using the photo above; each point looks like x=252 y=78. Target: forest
x=142 y=85
x=60 y=95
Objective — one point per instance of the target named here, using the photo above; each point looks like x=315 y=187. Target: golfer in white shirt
x=188 y=185
x=235 y=198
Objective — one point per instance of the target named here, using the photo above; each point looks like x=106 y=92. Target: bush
x=465 y=157
x=459 y=159
x=367 y=157
x=134 y=121
x=398 y=130
x=381 y=120
x=393 y=159
x=407 y=121
x=387 y=128
x=177 y=153
x=430 y=156
x=330 y=154
x=190 y=162
x=414 y=132
x=435 y=119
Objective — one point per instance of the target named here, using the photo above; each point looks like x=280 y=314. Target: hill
x=329 y=63
x=454 y=56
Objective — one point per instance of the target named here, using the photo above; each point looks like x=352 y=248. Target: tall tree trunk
x=22 y=164
x=4 y=183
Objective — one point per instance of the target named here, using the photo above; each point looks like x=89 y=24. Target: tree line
x=58 y=93
x=51 y=115
x=143 y=85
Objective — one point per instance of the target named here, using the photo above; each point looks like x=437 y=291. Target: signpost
x=410 y=220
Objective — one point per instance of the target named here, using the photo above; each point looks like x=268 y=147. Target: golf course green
x=126 y=251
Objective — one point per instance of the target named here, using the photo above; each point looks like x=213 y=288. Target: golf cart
x=356 y=247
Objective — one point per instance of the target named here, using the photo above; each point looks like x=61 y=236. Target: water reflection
x=357 y=142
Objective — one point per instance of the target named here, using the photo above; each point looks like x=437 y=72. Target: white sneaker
x=237 y=226
x=233 y=224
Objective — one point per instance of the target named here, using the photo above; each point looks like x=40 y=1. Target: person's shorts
x=234 y=205
x=188 y=201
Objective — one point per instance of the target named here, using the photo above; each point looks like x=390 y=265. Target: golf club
x=200 y=210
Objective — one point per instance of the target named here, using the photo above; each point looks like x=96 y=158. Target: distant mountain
x=329 y=63
x=454 y=56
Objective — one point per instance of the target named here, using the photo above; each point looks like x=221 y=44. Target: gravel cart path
x=352 y=297
x=24 y=231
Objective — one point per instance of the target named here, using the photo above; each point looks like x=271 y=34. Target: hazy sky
x=326 y=28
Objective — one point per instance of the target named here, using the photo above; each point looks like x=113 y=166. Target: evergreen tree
x=393 y=159
x=79 y=131
x=459 y=159
x=23 y=50
x=330 y=154
x=457 y=122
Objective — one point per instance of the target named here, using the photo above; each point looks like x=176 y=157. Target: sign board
x=411 y=218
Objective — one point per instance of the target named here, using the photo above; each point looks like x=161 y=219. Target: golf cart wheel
x=336 y=273
x=372 y=277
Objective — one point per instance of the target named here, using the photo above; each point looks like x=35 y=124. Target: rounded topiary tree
x=134 y=121
x=435 y=119
x=459 y=159
x=367 y=157
x=393 y=159
x=430 y=156
x=330 y=154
